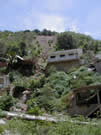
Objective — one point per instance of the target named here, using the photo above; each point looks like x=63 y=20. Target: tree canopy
x=71 y=40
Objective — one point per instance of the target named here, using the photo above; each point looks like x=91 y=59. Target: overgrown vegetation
x=71 y=40
x=6 y=102
x=49 y=93
x=22 y=127
x=49 y=90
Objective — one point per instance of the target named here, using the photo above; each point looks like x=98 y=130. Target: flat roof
x=79 y=51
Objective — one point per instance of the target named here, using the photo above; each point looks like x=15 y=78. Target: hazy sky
x=59 y=15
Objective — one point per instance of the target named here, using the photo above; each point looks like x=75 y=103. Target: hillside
x=47 y=40
x=13 y=39
x=36 y=91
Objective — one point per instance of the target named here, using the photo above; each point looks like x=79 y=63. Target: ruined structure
x=4 y=81
x=3 y=62
x=86 y=101
x=24 y=66
x=65 y=60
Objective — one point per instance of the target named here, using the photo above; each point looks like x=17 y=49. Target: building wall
x=65 y=65
x=65 y=60
x=65 y=55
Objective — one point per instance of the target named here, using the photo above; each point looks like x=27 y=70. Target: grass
x=23 y=127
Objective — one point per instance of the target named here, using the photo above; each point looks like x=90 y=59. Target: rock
x=22 y=107
x=2 y=121
x=25 y=96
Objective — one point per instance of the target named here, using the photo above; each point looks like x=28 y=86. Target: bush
x=21 y=82
x=66 y=41
x=81 y=77
x=59 y=82
x=6 y=102
x=14 y=75
x=45 y=97
x=37 y=82
x=33 y=107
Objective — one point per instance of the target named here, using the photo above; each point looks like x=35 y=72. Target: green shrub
x=6 y=102
x=81 y=77
x=59 y=82
x=21 y=82
x=46 y=97
x=33 y=107
x=34 y=110
x=14 y=75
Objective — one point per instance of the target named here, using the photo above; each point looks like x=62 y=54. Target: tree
x=37 y=31
x=44 y=32
x=34 y=52
x=23 y=49
x=66 y=41
x=3 y=49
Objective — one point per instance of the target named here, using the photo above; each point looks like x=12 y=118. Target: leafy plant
x=33 y=107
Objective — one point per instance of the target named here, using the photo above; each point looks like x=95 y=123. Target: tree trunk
x=45 y=118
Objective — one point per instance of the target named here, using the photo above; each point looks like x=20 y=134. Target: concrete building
x=65 y=60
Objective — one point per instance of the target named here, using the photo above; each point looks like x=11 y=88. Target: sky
x=57 y=15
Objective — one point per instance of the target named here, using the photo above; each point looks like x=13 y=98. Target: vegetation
x=23 y=127
x=22 y=42
x=71 y=40
x=49 y=90
x=6 y=102
x=50 y=93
